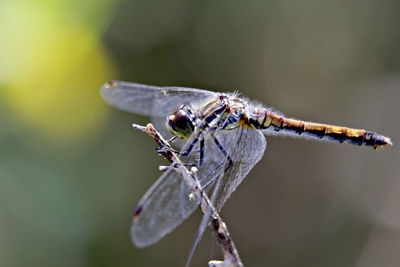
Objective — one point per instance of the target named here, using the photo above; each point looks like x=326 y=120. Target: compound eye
x=181 y=120
x=180 y=123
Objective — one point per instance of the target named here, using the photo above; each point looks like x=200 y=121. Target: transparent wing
x=245 y=147
x=237 y=145
x=150 y=100
x=164 y=206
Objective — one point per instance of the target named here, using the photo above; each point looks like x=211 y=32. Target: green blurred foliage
x=72 y=169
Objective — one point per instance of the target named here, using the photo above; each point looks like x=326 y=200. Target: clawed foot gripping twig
x=231 y=256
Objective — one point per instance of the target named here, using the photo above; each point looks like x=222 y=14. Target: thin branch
x=223 y=238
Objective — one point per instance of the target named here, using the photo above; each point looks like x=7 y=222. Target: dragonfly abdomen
x=266 y=119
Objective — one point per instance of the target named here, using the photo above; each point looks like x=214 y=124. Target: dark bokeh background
x=72 y=169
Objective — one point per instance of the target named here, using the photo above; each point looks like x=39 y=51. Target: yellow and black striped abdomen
x=265 y=119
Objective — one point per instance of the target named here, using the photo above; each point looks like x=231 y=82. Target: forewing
x=150 y=100
x=164 y=207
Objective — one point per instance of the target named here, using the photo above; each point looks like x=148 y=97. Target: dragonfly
x=223 y=134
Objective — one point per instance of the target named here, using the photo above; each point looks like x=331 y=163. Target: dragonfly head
x=181 y=122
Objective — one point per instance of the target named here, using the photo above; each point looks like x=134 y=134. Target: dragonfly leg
x=230 y=162
x=190 y=148
x=223 y=151
x=185 y=153
x=201 y=155
x=201 y=152
x=160 y=149
x=172 y=139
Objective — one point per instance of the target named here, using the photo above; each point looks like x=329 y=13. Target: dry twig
x=231 y=256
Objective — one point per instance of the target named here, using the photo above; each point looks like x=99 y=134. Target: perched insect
x=222 y=134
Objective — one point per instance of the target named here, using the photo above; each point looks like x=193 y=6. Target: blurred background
x=72 y=169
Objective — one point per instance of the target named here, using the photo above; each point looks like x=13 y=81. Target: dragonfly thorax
x=181 y=122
